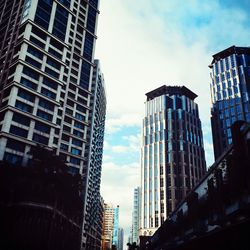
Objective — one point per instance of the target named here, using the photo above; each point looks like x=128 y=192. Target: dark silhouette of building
x=216 y=213
x=230 y=93
x=40 y=205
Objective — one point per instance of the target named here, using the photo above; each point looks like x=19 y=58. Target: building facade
x=120 y=239
x=94 y=151
x=108 y=226
x=51 y=89
x=172 y=155
x=136 y=215
x=116 y=227
x=230 y=90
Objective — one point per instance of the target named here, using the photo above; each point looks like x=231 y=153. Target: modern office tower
x=120 y=239
x=95 y=137
x=108 y=226
x=116 y=227
x=230 y=91
x=172 y=155
x=136 y=215
x=46 y=68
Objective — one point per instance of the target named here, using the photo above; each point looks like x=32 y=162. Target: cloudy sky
x=143 y=44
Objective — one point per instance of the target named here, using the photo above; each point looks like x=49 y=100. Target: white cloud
x=144 y=44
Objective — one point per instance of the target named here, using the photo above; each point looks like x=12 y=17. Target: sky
x=142 y=45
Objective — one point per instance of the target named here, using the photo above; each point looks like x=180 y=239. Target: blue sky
x=143 y=44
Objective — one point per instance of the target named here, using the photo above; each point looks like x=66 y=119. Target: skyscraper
x=120 y=239
x=172 y=155
x=136 y=215
x=230 y=91
x=48 y=93
x=94 y=152
x=116 y=227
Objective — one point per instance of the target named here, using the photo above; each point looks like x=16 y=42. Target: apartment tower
x=230 y=91
x=48 y=93
x=172 y=154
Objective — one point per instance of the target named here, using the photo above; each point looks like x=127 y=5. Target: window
x=78 y=125
x=40 y=139
x=76 y=142
x=33 y=62
x=45 y=104
x=28 y=83
x=21 y=119
x=80 y=117
x=31 y=73
x=50 y=83
x=43 y=12
x=12 y=158
x=35 y=52
x=48 y=93
x=76 y=151
x=44 y=115
x=53 y=63
x=15 y=145
x=42 y=127
x=26 y=95
x=18 y=131
x=75 y=160
x=51 y=72
x=23 y=106
x=37 y=42
x=55 y=53
x=78 y=133
x=64 y=147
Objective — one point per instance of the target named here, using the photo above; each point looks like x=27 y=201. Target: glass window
x=28 y=83
x=23 y=106
x=77 y=142
x=15 y=145
x=48 y=93
x=44 y=115
x=31 y=73
x=18 y=131
x=46 y=104
x=24 y=120
x=26 y=95
x=76 y=151
x=12 y=158
x=35 y=52
x=75 y=160
x=40 y=139
x=42 y=127
x=50 y=83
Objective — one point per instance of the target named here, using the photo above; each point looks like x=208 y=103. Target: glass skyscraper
x=172 y=154
x=51 y=89
x=230 y=89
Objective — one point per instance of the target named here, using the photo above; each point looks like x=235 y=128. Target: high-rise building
x=116 y=227
x=230 y=91
x=172 y=155
x=108 y=226
x=136 y=215
x=49 y=94
x=120 y=239
x=95 y=138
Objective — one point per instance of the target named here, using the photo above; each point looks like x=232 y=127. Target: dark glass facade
x=230 y=89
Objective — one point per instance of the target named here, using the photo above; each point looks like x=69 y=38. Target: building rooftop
x=229 y=51
x=171 y=90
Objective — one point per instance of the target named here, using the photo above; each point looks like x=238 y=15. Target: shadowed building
x=36 y=210
x=172 y=154
x=215 y=214
x=230 y=92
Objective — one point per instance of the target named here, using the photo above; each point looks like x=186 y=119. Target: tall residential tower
x=230 y=92
x=136 y=215
x=48 y=93
x=172 y=155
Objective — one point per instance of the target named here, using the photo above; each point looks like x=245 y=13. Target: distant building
x=120 y=239
x=172 y=154
x=136 y=215
x=116 y=227
x=230 y=93
x=110 y=226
